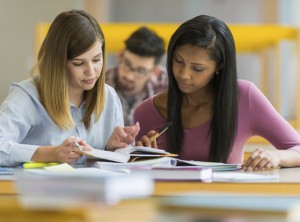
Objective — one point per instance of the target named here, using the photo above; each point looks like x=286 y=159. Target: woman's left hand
x=122 y=136
x=261 y=160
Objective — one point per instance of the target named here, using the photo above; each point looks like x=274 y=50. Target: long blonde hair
x=71 y=34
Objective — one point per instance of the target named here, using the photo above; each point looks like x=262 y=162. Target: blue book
x=6 y=171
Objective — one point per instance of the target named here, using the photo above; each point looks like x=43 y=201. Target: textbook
x=121 y=167
x=165 y=161
x=6 y=171
x=78 y=187
x=227 y=206
x=176 y=173
x=128 y=154
x=215 y=166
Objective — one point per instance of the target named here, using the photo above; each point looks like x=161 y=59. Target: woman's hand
x=147 y=140
x=261 y=160
x=122 y=136
x=63 y=153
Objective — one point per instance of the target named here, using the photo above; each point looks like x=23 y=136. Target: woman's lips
x=89 y=81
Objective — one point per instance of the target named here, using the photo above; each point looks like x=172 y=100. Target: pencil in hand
x=160 y=131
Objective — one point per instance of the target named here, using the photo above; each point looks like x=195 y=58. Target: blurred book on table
x=225 y=207
x=80 y=187
x=176 y=173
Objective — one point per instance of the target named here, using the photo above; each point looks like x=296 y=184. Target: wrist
x=44 y=154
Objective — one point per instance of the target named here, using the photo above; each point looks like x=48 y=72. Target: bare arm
x=264 y=159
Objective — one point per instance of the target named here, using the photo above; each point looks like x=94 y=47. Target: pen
x=78 y=146
x=33 y=165
x=160 y=131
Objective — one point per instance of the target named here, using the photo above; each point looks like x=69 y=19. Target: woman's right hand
x=63 y=153
x=147 y=141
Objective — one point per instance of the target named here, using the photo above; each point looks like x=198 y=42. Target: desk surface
x=136 y=210
x=148 y=210
x=287 y=184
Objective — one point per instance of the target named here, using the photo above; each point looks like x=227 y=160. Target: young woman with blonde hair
x=67 y=100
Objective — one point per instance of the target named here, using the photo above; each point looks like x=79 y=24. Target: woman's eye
x=178 y=60
x=78 y=64
x=96 y=60
x=198 y=69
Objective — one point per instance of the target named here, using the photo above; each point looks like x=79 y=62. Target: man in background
x=138 y=74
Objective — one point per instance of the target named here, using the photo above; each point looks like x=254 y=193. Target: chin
x=89 y=87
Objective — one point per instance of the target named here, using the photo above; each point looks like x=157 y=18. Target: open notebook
x=128 y=154
x=164 y=161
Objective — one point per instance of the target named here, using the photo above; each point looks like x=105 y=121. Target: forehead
x=95 y=50
x=139 y=61
x=193 y=52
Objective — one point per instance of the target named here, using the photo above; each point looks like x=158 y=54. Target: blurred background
x=18 y=19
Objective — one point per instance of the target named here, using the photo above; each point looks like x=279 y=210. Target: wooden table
x=148 y=209
x=137 y=210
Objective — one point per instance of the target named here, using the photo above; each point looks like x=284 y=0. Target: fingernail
x=249 y=169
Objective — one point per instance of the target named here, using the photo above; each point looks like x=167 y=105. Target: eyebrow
x=177 y=54
x=84 y=59
x=138 y=67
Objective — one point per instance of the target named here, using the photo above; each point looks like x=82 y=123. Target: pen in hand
x=160 y=131
x=79 y=148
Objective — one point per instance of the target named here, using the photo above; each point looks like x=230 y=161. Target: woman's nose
x=88 y=69
x=185 y=73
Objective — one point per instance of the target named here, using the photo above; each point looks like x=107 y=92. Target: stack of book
x=224 y=207
x=79 y=188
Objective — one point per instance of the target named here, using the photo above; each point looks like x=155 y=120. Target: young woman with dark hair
x=213 y=113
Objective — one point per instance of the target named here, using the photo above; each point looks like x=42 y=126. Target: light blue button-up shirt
x=25 y=124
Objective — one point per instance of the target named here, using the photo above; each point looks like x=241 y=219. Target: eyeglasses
x=139 y=71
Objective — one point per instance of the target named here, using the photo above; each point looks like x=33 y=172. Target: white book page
x=214 y=165
x=243 y=177
x=157 y=162
x=108 y=155
x=132 y=149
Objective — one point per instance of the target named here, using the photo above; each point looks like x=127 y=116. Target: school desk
x=136 y=210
